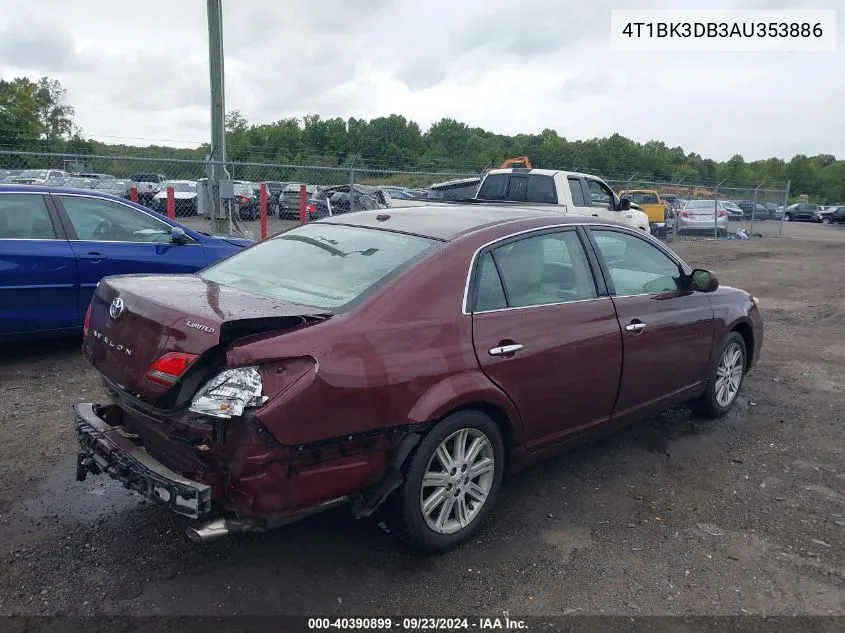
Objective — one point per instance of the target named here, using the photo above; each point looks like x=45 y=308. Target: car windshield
x=144 y=178
x=243 y=190
x=325 y=266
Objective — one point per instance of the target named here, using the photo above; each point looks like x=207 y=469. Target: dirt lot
x=675 y=515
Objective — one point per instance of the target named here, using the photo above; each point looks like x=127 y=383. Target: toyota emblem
x=116 y=308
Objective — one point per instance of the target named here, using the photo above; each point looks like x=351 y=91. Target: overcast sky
x=139 y=71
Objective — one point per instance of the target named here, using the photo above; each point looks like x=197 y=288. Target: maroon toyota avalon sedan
x=399 y=360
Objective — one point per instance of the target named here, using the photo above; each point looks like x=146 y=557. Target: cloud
x=44 y=47
x=507 y=67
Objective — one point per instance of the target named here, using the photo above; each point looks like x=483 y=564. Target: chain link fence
x=701 y=211
x=175 y=187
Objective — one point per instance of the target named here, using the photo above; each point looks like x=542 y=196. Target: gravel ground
x=676 y=515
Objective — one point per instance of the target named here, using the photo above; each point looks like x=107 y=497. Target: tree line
x=35 y=116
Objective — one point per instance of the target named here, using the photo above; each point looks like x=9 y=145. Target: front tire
x=787 y=217
x=725 y=379
x=451 y=484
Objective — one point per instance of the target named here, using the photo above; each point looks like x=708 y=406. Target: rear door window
x=577 y=192
x=25 y=217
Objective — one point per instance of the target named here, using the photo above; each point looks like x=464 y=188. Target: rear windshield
x=320 y=265
x=145 y=178
x=701 y=204
x=642 y=198
x=519 y=188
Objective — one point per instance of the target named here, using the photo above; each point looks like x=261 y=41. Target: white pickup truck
x=575 y=193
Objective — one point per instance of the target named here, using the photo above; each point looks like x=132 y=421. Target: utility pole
x=219 y=211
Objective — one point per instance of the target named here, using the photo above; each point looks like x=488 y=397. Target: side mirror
x=178 y=235
x=625 y=204
x=703 y=280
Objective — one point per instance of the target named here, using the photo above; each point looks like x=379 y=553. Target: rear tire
x=451 y=484
x=725 y=380
x=787 y=217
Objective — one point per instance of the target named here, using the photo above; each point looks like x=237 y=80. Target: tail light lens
x=87 y=324
x=168 y=369
x=310 y=208
x=686 y=214
x=723 y=214
x=243 y=199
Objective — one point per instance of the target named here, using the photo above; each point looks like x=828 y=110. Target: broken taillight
x=87 y=322
x=169 y=368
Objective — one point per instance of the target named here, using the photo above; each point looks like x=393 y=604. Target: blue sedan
x=56 y=244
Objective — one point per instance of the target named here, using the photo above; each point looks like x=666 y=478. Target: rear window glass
x=642 y=198
x=518 y=188
x=145 y=178
x=320 y=265
x=701 y=204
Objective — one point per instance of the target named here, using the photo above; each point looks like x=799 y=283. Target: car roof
x=447 y=222
x=537 y=170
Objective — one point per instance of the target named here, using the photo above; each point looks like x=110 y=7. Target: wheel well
x=744 y=330
x=498 y=416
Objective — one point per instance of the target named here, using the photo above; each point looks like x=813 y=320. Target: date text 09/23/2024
x=417 y=624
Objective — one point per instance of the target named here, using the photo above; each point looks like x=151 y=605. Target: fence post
x=133 y=194
x=716 y=213
x=676 y=214
x=754 y=205
x=785 y=204
x=352 y=189
x=263 y=210
x=171 y=203
x=303 y=218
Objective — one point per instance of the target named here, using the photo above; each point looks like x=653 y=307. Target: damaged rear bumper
x=105 y=449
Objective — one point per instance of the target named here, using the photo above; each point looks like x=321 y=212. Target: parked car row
x=809 y=212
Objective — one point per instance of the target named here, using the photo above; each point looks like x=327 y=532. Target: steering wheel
x=102 y=230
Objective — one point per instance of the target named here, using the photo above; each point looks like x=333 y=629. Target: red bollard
x=133 y=194
x=303 y=199
x=263 y=210
x=171 y=204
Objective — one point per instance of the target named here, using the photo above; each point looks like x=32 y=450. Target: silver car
x=702 y=215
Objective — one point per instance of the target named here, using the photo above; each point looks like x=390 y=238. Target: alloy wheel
x=729 y=375
x=457 y=481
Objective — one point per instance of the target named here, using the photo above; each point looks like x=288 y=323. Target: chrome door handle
x=504 y=350
x=635 y=327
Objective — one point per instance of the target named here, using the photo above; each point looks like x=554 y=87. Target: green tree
x=20 y=126
x=54 y=114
